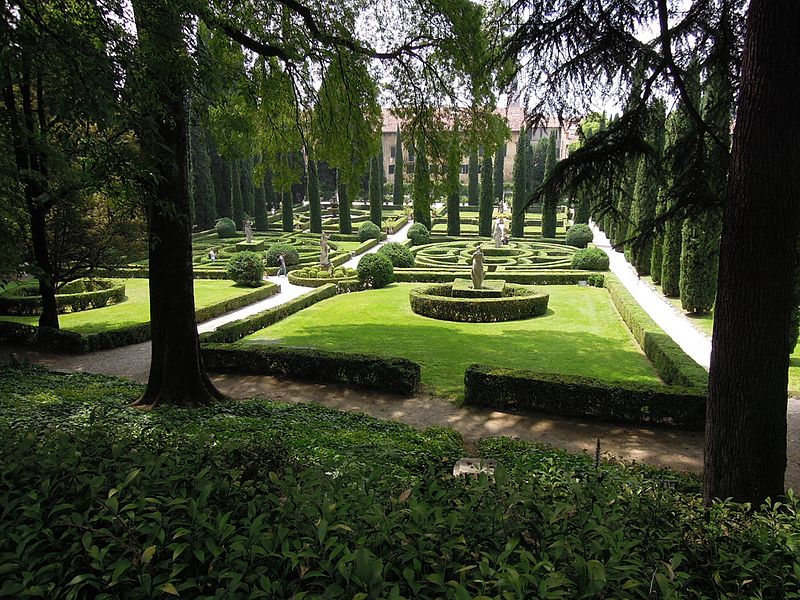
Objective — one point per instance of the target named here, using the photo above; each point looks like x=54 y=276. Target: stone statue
x=323 y=250
x=497 y=232
x=248 y=231
x=477 y=268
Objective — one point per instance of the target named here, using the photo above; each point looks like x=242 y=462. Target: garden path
x=694 y=342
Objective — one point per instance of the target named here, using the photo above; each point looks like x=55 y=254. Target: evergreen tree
x=269 y=191
x=551 y=200
x=248 y=189
x=499 y=168
x=472 y=185
x=623 y=204
x=583 y=205
x=487 y=196
x=538 y=157
x=221 y=174
x=236 y=194
x=314 y=207
x=422 y=185
x=287 y=211
x=203 y=195
x=671 y=261
x=453 y=185
x=398 y=193
x=520 y=195
x=345 y=222
x=657 y=256
x=376 y=189
x=260 y=199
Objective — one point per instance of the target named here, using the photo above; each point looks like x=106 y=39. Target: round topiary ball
x=399 y=254
x=368 y=231
x=226 y=228
x=289 y=252
x=246 y=268
x=419 y=234
x=590 y=259
x=375 y=270
x=579 y=235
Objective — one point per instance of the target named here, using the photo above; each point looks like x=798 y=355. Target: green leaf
x=168 y=588
x=148 y=554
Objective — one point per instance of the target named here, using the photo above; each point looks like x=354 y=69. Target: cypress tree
x=248 y=188
x=583 y=207
x=487 y=196
x=260 y=200
x=499 y=168
x=203 y=194
x=221 y=173
x=236 y=194
x=624 y=201
x=287 y=211
x=314 y=207
x=538 y=157
x=453 y=185
x=422 y=186
x=345 y=222
x=269 y=190
x=376 y=189
x=657 y=256
x=671 y=261
x=398 y=193
x=472 y=185
x=520 y=195
x=551 y=200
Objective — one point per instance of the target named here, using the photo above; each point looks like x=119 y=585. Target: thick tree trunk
x=47 y=285
x=177 y=374
x=745 y=448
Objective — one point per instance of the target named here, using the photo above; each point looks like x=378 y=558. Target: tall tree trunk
x=745 y=447
x=177 y=374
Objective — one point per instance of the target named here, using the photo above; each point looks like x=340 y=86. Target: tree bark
x=745 y=446
x=177 y=374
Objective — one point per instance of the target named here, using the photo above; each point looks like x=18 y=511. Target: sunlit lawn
x=581 y=334
x=136 y=309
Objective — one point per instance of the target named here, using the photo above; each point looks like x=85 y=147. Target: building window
x=392 y=151
x=464 y=169
x=410 y=156
x=391 y=167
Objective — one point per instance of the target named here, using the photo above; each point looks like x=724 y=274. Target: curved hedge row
x=518 y=302
x=83 y=294
x=519 y=255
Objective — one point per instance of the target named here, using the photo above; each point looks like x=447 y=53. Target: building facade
x=565 y=135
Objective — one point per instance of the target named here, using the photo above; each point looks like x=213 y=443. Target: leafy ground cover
x=581 y=334
x=258 y=499
x=136 y=309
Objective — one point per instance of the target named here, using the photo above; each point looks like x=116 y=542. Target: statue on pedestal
x=498 y=232
x=248 y=231
x=477 y=268
x=323 y=250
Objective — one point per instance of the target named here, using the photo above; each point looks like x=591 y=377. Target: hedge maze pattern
x=517 y=256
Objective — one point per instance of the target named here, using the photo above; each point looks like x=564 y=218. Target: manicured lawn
x=136 y=309
x=581 y=334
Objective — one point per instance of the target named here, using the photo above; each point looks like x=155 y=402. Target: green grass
x=581 y=334
x=136 y=309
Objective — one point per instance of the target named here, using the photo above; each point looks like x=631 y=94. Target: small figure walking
x=281 y=265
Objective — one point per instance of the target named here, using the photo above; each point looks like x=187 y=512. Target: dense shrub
x=395 y=375
x=289 y=252
x=519 y=302
x=226 y=228
x=419 y=234
x=590 y=259
x=399 y=254
x=523 y=277
x=368 y=231
x=579 y=235
x=574 y=396
x=246 y=268
x=375 y=270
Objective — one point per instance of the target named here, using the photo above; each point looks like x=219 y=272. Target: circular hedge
x=516 y=256
x=418 y=234
x=375 y=270
x=399 y=254
x=290 y=254
x=246 y=268
x=517 y=302
x=368 y=231
x=226 y=228
x=75 y=296
x=590 y=259
x=317 y=276
x=579 y=235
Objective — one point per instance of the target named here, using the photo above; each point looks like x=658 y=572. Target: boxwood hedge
x=82 y=294
x=519 y=302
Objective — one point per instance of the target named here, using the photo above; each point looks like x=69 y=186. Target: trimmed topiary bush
x=289 y=252
x=590 y=259
x=368 y=231
x=399 y=254
x=246 y=268
x=226 y=228
x=375 y=270
x=419 y=234
x=579 y=235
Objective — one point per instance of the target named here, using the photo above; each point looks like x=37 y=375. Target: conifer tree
x=487 y=196
x=314 y=207
x=236 y=193
x=538 y=155
x=657 y=256
x=287 y=211
x=260 y=199
x=422 y=185
x=520 y=196
x=499 y=168
x=221 y=174
x=453 y=184
x=345 y=222
x=269 y=191
x=202 y=183
x=551 y=200
x=376 y=189
x=248 y=189
x=472 y=185
x=398 y=193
